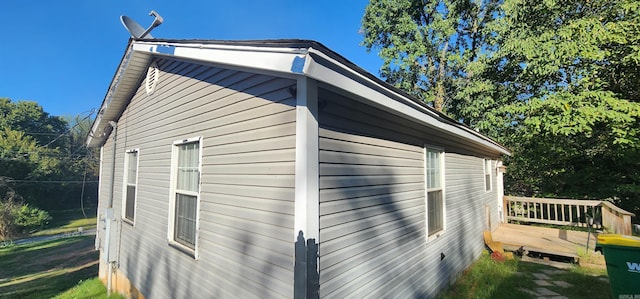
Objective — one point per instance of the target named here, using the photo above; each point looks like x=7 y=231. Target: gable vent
x=152 y=78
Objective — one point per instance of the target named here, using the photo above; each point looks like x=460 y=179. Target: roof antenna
x=138 y=31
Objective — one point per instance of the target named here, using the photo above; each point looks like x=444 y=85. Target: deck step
x=551 y=255
x=559 y=265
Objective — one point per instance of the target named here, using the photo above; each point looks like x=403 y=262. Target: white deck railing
x=569 y=212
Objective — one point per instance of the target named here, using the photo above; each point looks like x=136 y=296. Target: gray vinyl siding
x=372 y=205
x=105 y=194
x=247 y=125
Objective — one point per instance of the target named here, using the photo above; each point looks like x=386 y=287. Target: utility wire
x=35 y=133
x=84 y=180
x=69 y=130
x=45 y=154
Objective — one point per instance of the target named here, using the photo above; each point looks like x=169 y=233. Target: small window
x=434 y=189
x=130 y=184
x=487 y=175
x=185 y=165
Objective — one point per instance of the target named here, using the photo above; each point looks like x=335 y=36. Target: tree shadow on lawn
x=66 y=217
x=520 y=284
x=515 y=279
x=46 y=269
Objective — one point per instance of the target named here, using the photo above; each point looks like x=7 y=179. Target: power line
x=88 y=112
x=48 y=154
x=69 y=130
x=35 y=133
x=62 y=158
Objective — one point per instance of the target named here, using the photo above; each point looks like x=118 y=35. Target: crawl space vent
x=152 y=78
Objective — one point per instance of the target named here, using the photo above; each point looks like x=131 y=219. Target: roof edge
x=284 y=56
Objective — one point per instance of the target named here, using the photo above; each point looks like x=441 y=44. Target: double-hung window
x=130 y=184
x=434 y=189
x=487 y=175
x=185 y=193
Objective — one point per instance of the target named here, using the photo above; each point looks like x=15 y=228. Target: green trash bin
x=622 y=255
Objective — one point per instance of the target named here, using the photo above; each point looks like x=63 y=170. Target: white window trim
x=426 y=192
x=487 y=170
x=172 y=197
x=125 y=180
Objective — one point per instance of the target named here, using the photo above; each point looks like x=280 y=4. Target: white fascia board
x=283 y=60
x=97 y=135
x=414 y=112
x=292 y=61
x=273 y=59
x=92 y=132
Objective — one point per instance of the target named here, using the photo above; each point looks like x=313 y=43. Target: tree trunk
x=438 y=102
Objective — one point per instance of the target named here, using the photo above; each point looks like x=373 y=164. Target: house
x=279 y=169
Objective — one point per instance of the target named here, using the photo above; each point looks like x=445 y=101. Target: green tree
x=572 y=68
x=45 y=156
x=556 y=81
x=30 y=118
x=430 y=47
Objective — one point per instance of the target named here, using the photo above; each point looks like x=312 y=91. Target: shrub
x=28 y=218
x=17 y=218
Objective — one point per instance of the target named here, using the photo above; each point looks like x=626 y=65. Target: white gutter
x=294 y=62
x=98 y=126
x=408 y=107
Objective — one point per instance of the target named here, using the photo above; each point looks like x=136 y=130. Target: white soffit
x=122 y=85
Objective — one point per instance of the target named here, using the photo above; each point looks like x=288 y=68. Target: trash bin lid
x=619 y=240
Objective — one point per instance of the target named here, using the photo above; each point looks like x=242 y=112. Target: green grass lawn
x=510 y=279
x=62 y=268
x=68 y=221
x=92 y=288
x=45 y=269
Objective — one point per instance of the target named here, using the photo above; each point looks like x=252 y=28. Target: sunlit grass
x=510 y=279
x=68 y=221
x=45 y=269
x=33 y=247
x=92 y=288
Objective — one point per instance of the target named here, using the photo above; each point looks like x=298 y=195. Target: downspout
x=110 y=264
x=114 y=125
x=500 y=170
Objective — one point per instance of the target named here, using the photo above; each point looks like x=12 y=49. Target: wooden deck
x=545 y=240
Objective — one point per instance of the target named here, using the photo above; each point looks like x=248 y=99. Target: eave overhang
x=290 y=58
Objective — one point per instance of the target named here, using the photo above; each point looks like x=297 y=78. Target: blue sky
x=63 y=54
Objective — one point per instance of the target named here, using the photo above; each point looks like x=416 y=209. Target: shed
x=279 y=169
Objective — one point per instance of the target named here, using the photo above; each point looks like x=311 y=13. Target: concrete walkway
x=547 y=287
x=51 y=237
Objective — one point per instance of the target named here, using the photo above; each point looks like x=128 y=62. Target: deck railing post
x=579 y=209
x=605 y=214
x=505 y=205
x=626 y=225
